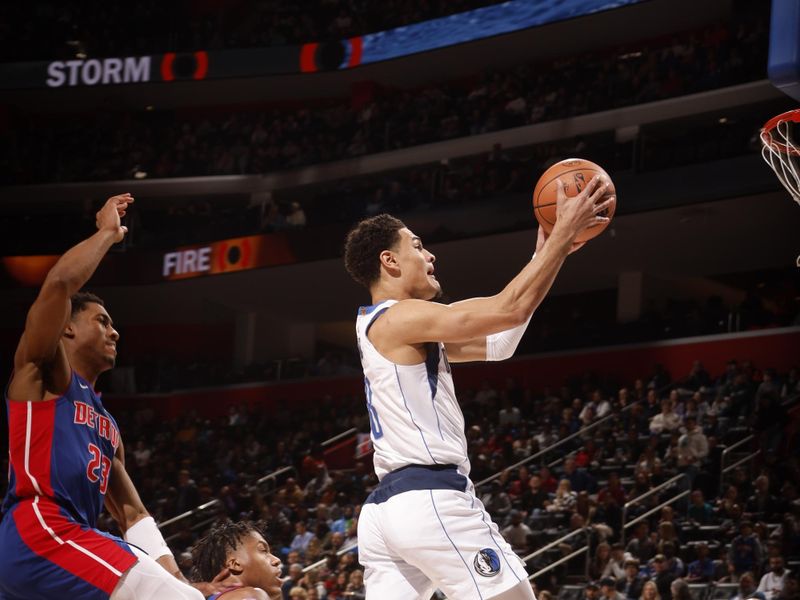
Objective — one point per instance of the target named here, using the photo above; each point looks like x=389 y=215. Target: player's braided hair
x=364 y=244
x=81 y=299
x=210 y=553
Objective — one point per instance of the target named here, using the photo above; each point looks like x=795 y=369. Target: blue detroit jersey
x=62 y=449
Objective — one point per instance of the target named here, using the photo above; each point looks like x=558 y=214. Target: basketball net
x=781 y=153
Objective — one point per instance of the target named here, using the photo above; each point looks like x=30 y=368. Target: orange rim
x=769 y=126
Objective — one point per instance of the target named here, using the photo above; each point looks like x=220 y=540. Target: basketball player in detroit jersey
x=423 y=528
x=66 y=454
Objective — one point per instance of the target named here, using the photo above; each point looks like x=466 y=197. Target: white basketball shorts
x=423 y=529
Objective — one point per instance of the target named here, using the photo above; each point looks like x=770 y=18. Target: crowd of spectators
x=741 y=530
x=674 y=428
x=103 y=145
x=66 y=30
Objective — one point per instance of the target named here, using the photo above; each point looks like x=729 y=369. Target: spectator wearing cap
x=591 y=591
x=701 y=570
x=772 y=583
x=745 y=551
x=662 y=576
x=631 y=585
x=608 y=589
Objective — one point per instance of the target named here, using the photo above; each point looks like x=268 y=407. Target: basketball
x=575 y=173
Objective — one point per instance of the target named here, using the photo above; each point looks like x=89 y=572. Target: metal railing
x=647 y=494
x=188 y=513
x=741 y=461
x=726 y=452
x=553 y=544
x=560 y=561
x=552 y=447
x=321 y=562
x=563 y=559
x=196 y=527
x=582 y=431
x=336 y=438
x=269 y=477
x=216 y=501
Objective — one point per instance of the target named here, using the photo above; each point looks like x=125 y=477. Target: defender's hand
x=109 y=216
x=216 y=585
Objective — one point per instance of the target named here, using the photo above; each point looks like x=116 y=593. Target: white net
x=782 y=154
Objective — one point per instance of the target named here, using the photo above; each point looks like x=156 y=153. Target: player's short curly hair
x=81 y=299
x=364 y=244
x=210 y=553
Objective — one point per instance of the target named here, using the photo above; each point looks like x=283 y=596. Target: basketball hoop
x=781 y=152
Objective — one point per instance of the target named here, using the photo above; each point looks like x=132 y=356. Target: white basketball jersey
x=414 y=415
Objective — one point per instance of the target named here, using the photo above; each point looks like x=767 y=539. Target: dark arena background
x=254 y=134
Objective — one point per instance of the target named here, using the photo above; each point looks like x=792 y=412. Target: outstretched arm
x=39 y=345
x=137 y=526
x=465 y=325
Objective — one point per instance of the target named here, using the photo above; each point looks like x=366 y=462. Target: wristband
x=145 y=535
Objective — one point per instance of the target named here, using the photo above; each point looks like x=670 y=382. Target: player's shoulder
x=242 y=593
x=402 y=313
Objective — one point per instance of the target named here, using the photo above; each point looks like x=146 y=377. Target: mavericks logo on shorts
x=487 y=563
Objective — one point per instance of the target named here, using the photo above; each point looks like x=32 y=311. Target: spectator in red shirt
x=613 y=489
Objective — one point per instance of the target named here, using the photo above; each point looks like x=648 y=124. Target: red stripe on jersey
x=30 y=426
x=85 y=553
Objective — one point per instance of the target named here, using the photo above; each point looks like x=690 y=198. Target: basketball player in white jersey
x=423 y=528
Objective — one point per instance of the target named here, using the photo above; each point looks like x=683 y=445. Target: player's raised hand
x=579 y=212
x=109 y=217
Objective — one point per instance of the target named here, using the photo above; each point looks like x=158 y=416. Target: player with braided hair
x=239 y=555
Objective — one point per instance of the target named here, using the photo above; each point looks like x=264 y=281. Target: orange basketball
x=575 y=173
